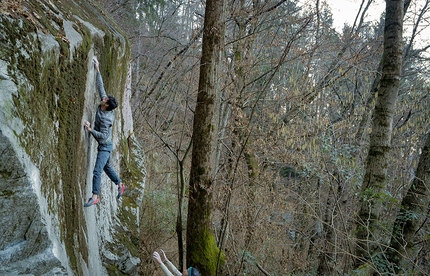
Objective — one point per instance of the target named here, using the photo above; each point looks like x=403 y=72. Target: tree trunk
x=181 y=192
x=370 y=233
x=242 y=148
x=412 y=215
x=359 y=136
x=202 y=251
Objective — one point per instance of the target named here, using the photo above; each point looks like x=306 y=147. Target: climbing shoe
x=121 y=189
x=91 y=202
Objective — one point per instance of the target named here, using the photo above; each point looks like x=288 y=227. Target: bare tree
x=202 y=251
x=412 y=216
x=370 y=230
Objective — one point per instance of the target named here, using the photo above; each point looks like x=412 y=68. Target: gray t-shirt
x=102 y=130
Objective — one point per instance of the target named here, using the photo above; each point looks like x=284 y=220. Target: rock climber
x=191 y=271
x=102 y=132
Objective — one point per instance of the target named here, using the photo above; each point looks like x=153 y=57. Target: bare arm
x=170 y=265
x=160 y=262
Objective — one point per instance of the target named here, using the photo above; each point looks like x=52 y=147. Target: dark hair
x=112 y=102
x=192 y=271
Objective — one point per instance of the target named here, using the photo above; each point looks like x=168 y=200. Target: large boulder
x=47 y=91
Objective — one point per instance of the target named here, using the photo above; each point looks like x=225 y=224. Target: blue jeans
x=102 y=164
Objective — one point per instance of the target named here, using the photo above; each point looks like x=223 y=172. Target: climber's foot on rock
x=91 y=202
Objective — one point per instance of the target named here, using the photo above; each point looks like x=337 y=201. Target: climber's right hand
x=164 y=255
x=96 y=64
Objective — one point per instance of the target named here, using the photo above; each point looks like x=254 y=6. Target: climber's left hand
x=87 y=125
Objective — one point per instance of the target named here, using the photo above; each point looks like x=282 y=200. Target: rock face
x=47 y=91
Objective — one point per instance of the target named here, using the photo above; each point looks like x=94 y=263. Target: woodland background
x=289 y=189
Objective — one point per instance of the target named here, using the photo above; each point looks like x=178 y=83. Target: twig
x=262 y=270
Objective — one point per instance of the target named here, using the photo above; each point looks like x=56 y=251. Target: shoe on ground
x=121 y=189
x=91 y=202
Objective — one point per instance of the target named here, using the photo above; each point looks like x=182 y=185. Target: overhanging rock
x=47 y=91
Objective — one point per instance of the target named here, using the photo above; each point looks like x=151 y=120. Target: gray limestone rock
x=47 y=91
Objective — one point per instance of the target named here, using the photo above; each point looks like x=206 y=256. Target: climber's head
x=109 y=103
x=112 y=102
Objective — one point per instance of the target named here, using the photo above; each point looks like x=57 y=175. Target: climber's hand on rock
x=96 y=64
x=87 y=125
